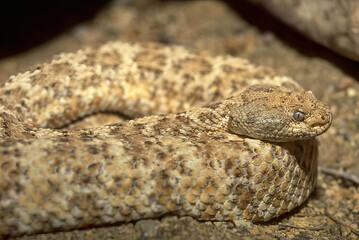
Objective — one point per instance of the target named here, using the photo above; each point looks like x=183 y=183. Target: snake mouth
x=321 y=128
x=320 y=125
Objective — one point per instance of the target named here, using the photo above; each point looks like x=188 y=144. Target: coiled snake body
x=242 y=147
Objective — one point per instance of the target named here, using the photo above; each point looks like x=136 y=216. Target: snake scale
x=215 y=138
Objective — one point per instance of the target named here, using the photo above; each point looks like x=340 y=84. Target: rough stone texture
x=237 y=28
x=166 y=228
x=333 y=23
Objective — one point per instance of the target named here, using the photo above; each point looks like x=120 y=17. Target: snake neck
x=211 y=118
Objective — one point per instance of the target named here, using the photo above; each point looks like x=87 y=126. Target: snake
x=211 y=137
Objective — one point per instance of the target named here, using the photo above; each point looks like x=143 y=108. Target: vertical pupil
x=299 y=116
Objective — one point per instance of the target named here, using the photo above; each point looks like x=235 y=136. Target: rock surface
x=332 y=212
x=333 y=23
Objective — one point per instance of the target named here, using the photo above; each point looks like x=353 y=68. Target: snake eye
x=299 y=116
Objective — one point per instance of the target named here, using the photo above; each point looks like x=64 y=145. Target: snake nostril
x=326 y=118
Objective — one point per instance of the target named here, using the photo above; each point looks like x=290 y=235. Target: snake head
x=275 y=114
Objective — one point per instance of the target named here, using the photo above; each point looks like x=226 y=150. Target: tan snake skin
x=208 y=162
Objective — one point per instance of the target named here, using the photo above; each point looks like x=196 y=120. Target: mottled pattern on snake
x=203 y=162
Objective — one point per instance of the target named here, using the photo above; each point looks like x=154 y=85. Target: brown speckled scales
x=202 y=162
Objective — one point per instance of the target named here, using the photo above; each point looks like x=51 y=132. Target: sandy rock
x=332 y=23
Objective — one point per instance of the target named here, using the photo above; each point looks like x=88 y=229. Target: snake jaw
x=320 y=120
